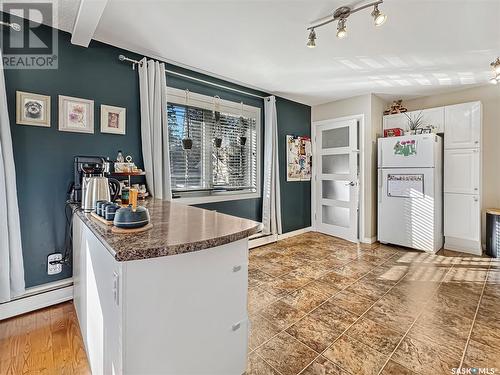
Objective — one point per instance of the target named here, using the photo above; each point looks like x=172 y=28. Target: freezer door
x=413 y=151
x=408 y=210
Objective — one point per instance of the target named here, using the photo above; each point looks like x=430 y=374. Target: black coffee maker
x=87 y=166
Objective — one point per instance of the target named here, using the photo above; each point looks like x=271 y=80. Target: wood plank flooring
x=320 y=305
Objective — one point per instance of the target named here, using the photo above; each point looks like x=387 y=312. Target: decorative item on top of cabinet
x=32 y=109
x=395 y=108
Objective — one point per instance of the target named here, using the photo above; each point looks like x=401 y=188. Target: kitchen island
x=171 y=300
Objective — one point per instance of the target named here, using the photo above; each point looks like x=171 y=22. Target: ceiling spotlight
x=311 y=43
x=378 y=17
x=495 y=65
x=341 y=29
x=340 y=15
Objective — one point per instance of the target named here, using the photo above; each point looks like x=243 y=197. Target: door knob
x=351 y=183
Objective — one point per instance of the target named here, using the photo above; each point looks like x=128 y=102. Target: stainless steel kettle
x=97 y=188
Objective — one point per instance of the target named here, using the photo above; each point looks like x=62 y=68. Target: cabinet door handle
x=475 y=199
x=236 y=326
x=116 y=288
x=236 y=268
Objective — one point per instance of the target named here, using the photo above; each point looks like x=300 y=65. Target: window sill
x=216 y=198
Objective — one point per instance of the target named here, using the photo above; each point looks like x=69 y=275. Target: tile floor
x=321 y=305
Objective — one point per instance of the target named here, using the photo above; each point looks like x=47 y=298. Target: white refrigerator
x=410 y=191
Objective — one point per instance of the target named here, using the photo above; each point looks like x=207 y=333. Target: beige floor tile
x=322 y=366
x=355 y=357
x=321 y=327
x=394 y=368
x=352 y=302
x=257 y=366
x=305 y=300
x=286 y=354
x=424 y=357
x=261 y=330
x=375 y=335
x=281 y=314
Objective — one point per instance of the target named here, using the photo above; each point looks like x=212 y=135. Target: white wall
x=371 y=107
x=489 y=95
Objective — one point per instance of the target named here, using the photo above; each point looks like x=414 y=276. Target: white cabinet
x=396 y=121
x=434 y=117
x=462 y=171
x=179 y=314
x=462 y=218
x=431 y=116
x=463 y=126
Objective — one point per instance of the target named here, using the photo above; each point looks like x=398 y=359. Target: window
x=204 y=172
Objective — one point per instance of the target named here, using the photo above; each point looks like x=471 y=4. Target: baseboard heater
x=38 y=297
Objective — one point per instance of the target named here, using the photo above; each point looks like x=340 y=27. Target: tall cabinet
x=462 y=177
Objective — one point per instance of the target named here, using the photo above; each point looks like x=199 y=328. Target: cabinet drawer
x=462 y=171
x=462 y=216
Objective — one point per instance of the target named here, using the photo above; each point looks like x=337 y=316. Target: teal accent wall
x=44 y=156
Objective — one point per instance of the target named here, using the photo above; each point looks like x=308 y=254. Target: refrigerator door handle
x=379 y=185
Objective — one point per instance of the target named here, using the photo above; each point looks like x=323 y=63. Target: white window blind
x=207 y=170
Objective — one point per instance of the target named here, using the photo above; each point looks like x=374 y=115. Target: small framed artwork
x=419 y=131
x=76 y=115
x=32 y=109
x=113 y=119
x=427 y=131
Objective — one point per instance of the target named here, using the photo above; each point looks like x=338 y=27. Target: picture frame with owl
x=32 y=109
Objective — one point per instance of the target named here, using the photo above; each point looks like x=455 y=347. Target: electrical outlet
x=53 y=269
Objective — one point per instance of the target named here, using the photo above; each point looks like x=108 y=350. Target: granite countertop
x=177 y=229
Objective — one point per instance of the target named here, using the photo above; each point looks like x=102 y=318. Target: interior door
x=336 y=179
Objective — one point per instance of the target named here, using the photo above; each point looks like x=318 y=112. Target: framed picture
x=113 y=119
x=427 y=131
x=299 y=158
x=32 y=109
x=419 y=131
x=76 y=115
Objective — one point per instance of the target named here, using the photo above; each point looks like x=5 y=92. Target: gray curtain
x=154 y=128
x=11 y=255
x=271 y=198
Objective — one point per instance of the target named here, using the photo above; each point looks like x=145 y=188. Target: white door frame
x=361 y=191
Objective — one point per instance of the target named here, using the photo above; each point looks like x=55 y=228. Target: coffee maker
x=85 y=166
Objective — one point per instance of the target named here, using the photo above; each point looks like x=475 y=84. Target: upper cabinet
x=462 y=126
x=431 y=116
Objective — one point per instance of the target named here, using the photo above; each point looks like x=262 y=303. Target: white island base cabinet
x=179 y=314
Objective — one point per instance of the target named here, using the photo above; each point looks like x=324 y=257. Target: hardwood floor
x=46 y=341
x=320 y=305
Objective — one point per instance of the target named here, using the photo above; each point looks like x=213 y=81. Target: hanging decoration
x=299 y=158
x=217 y=139
x=187 y=142
x=243 y=138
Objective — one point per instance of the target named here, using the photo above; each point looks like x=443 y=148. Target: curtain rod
x=135 y=62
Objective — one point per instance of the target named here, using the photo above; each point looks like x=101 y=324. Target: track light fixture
x=495 y=65
x=378 y=17
x=311 y=43
x=341 y=29
x=341 y=14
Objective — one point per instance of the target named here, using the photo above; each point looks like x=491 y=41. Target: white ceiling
x=425 y=47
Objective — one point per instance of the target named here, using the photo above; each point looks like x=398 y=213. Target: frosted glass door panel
x=335 y=164
x=334 y=215
x=338 y=137
x=337 y=190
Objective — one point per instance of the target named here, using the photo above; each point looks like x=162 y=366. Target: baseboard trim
x=37 y=298
x=369 y=240
x=463 y=246
x=294 y=233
